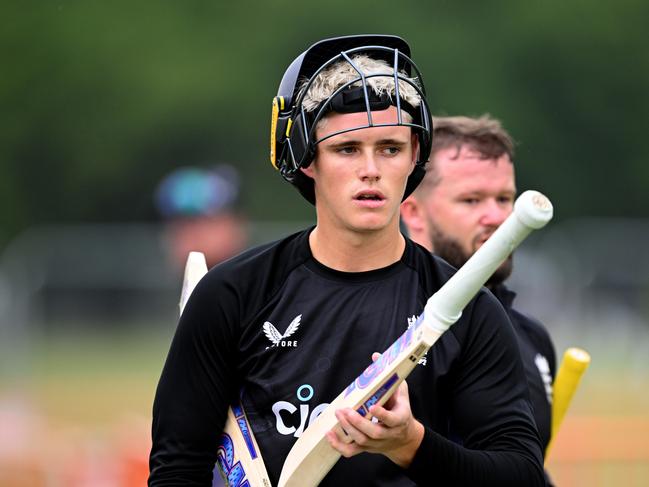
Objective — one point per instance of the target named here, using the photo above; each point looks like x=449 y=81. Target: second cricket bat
x=573 y=366
x=311 y=456
x=238 y=458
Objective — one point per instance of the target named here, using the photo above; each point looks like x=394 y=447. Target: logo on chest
x=282 y=340
x=544 y=369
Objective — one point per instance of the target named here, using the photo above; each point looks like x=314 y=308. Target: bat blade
x=311 y=457
x=238 y=458
x=573 y=366
x=195 y=269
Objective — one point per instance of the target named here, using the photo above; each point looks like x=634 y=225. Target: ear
x=412 y=215
x=415 y=148
x=308 y=171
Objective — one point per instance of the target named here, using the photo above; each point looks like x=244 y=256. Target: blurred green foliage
x=99 y=100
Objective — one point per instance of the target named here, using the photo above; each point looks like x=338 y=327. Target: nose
x=368 y=167
x=495 y=212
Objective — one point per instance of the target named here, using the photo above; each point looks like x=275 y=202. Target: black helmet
x=292 y=137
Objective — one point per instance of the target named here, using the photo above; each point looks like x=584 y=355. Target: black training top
x=288 y=334
x=539 y=361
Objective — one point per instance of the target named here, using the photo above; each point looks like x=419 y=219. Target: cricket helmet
x=293 y=128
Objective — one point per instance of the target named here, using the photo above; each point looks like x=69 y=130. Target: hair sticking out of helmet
x=339 y=74
x=356 y=84
x=346 y=75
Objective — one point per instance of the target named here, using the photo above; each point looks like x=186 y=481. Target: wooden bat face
x=238 y=458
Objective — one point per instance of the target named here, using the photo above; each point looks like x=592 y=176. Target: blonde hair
x=342 y=72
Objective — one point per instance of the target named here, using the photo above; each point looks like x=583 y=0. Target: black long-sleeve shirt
x=539 y=361
x=286 y=334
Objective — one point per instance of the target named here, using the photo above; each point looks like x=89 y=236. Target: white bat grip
x=532 y=210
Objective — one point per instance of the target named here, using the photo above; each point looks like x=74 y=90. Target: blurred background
x=121 y=123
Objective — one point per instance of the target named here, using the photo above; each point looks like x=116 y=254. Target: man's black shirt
x=286 y=334
x=539 y=361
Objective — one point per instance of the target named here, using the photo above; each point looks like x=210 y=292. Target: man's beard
x=451 y=251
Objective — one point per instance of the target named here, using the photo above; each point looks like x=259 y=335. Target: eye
x=470 y=201
x=391 y=150
x=505 y=200
x=346 y=149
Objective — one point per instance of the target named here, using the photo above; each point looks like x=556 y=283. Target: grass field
x=78 y=413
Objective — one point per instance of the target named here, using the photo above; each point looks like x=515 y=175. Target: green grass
x=91 y=379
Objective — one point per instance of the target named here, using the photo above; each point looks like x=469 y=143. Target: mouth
x=482 y=239
x=369 y=195
x=369 y=199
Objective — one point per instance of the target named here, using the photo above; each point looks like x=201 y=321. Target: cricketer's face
x=470 y=200
x=360 y=176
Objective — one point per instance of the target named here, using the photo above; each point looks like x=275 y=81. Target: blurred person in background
x=352 y=275
x=198 y=205
x=468 y=191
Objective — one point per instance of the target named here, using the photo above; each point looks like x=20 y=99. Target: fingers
x=345 y=449
x=349 y=439
x=397 y=405
x=361 y=430
x=394 y=432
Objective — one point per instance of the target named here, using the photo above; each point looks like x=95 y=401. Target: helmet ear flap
x=277 y=129
x=289 y=143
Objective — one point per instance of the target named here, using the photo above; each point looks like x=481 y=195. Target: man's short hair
x=483 y=134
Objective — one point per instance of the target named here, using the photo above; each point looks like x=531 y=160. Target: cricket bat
x=311 y=457
x=195 y=269
x=573 y=366
x=238 y=458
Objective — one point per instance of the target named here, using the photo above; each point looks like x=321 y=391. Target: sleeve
x=195 y=389
x=498 y=444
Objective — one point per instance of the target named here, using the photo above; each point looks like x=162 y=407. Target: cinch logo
x=304 y=394
x=279 y=340
x=544 y=369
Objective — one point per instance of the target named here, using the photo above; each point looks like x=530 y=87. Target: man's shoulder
x=529 y=324
x=520 y=320
x=433 y=270
x=276 y=259
x=482 y=310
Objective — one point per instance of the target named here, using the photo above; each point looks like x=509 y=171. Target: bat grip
x=532 y=211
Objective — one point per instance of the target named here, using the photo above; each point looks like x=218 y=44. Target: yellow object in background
x=574 y=364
